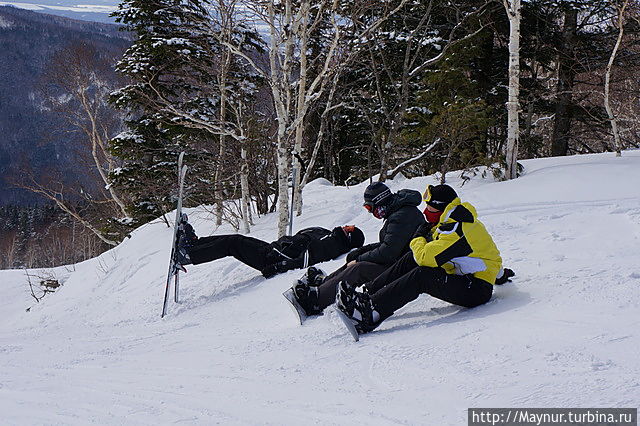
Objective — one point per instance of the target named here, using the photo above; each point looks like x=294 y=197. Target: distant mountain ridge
x=27 y=132
x=97 y=11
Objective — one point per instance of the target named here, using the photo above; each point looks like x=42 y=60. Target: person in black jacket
x=315 y=291
x=308 y=247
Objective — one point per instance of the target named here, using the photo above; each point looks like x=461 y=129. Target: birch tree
x=81 y=98
x=620 y=11
x=513 y=9
x=75 y=87
x=294 y=88
x=225 y=12
x=237 y=86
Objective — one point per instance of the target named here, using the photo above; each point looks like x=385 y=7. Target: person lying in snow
x=452 y=258
x=308 y=247
x=315 y=291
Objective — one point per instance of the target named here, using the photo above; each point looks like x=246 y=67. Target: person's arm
x=390 y=248
x=353 y=254
x=436 y=253
x=289 y=264
x=283 y=266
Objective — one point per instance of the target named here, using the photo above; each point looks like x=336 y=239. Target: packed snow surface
x=563 y=334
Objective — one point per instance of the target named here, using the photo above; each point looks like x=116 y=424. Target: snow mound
x=563 y=334
x=319 y=182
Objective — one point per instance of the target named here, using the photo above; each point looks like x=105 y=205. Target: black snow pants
x=405 y=281
x=356 y=274
x=250 y=251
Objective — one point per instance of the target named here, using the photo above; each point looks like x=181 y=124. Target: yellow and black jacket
x=461 y=245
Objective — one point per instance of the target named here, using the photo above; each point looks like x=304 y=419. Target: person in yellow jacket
x=452 y=258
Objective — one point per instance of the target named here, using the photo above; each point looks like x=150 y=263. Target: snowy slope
x=565 y=333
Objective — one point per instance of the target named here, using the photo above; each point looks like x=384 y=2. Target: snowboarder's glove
x=269 y=270
x=353 y=255
x=424 y=230
x=278 y=267
x=505 y=277
x=285 y=265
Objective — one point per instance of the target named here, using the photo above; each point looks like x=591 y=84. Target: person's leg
x=356 y=274
x=405 y=264
x=248 y=250
x=462 y=290
x=336 y=272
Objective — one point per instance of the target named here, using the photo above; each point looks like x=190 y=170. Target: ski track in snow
x=563 y=334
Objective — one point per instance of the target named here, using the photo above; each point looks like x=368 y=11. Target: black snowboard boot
x=307 y=296
x=186 y=239
x=358 y=307
x=345 y=298
x=313 y=277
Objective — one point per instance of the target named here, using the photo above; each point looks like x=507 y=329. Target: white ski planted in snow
x=174 y=268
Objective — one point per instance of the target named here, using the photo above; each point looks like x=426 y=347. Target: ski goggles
x=379 y=212
x=369 y=207
x=426 y=196
x=349 y=228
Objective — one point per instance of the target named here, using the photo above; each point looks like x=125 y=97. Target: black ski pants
x=248 y=250
x=356 y=274
x=405 y=281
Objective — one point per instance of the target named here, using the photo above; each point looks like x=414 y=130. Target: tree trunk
x=284 y=169
x=302 y=93
x=281 y=91
x=97 y=142
x=218 y=193
x=513 y=123
x=244 y=189
x=566 y=76
x=607 y=81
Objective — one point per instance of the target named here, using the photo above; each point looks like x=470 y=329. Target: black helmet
x=377 y=194
x=439 y=196
x=354 y=235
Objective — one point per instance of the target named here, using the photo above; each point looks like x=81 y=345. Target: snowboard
x=348 y=323
x=174 y=266
x=295 y=306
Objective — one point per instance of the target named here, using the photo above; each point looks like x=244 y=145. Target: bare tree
x=231 y=29
x=294 y=89
x=620 y=12
x=513 y=9
x=59 y=193
x=8 y=249
x=225 y=13
x=76 y=88
x=46 y=283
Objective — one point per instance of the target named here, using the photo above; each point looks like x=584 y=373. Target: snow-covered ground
x=563 y=334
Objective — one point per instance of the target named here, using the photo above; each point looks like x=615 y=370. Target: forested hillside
x=264 y=97
x=30 y=132
x=355 y=90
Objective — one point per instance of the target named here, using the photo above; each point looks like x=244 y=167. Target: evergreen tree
x=381 y=85
x=565 y=49
x=168 y=64
x=453 y=108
